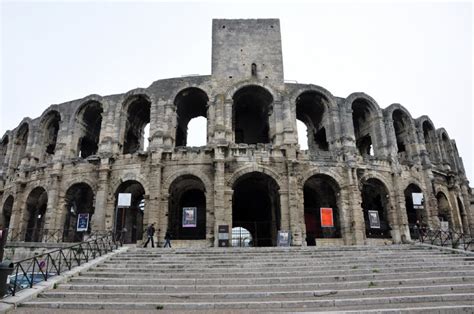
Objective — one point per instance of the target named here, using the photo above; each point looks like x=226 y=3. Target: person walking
x=167 y=239
x=150 y=232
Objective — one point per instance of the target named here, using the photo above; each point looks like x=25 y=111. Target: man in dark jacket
x=167 y=239
x=150 y=232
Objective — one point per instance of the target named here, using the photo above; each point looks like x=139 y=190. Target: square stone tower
x=247 y=48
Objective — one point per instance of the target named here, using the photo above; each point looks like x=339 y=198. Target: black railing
x=30 y=271
x=452 y=238
x=51 y=235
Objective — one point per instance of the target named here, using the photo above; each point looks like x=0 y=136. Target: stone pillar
x=353 y=198
x=221 y=213
x=295 y=209
x=52 y=229
x=152 y=204
x=289 y=126
x=397 y=213
x=102 y=219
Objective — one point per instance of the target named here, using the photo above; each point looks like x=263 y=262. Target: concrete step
x=301 y=294
x=140 y=286
x=319 y=302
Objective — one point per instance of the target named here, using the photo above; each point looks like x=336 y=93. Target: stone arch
x=128 y=223
x=190 y=103
x=445 y=146
x=87 y=127
x=445 y=209
x=229 y=94
x=78 y=200
x=416 y=216
x=208 y=185
x=256 y=207
x=7 y=210
x=251 y=110
x=34 y=214
x=188 y=201
x=331 y=104
x=4 y=142
x=319 y=171
x=365 y=116
x=21 y=141
x=463 y=214
x=128 y=176
x=254 y=168
x=322 y=191
x=376 y=208
x=136 y=115
x=49 y=128
x=427 y=128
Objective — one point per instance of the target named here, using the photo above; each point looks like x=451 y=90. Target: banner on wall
x=82 y=222
x=189 y=217
x=327 y=217
x=417 y=200
x=374 y=219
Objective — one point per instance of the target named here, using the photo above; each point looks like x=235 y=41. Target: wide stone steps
x=327 y=279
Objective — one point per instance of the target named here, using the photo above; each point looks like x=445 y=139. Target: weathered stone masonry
x=80 y=154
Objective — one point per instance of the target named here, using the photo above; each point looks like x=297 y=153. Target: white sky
x=418 y=55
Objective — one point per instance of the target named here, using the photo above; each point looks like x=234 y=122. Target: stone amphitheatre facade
x=77 y=156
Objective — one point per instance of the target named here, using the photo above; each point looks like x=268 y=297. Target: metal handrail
x=29 y=271
x=450 y=237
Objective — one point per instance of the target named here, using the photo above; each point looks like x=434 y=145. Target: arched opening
x=444 y=210
x=256 y=207
x=302 y=135
x=190 y=103
x=197 y=132
x=138 y=117
x=252 y=108
x=311 y=110
x=401 y=128
x=89 y=121
x=321 y=210
x=462 y=214
x=363 y=127
x=241 y=237
x=414 y=207
x=7 y=212
x=430 y=140
x=51 y=130
x=446 y=147
x=79 y=201
x=129 y=221
x=21 y=141
x=36 y=205
x=3 y=151
x=375 y=205
x=187 y=208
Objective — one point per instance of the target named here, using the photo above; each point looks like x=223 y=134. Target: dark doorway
x=89 y=121
x=7 y=212
x=256 y=207
x=36 y=205
x=320 y=191
x=79 y=200
x=190 y=103
x=414 y=215
x=311 y=110
x=138 y=117
x=251 y=115
x=444 y=209
x=188 y=199
x=129 y=221
x=375 y=199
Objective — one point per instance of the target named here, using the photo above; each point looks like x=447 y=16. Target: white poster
x=417 y=200
x=124 y=200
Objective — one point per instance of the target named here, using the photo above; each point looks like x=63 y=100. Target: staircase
x=350 y=278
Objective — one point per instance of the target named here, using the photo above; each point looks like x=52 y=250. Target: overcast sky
x=418 y=55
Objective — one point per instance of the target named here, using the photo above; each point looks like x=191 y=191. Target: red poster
x=327 y=217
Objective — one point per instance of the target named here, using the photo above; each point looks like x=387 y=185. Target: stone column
x=52 y=229
x=295 y=209
x=353 y=198
x=152 y=204
x=102 y=219
x=221 y=213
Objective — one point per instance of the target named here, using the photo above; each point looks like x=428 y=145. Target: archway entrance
x=129 y=221
x=241 y=237
x=256 y=207
x=414 y=213
x=320 y=197
x=187 y=208
x=444 y=209
x=375 y=204
x=79 y=202
x=36 y=205
x=7 y=212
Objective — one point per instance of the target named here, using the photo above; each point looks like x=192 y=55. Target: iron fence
x=30 y=271
x=451 y=237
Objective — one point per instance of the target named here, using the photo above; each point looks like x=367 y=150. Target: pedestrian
x=150 y=232
x=167 y=239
